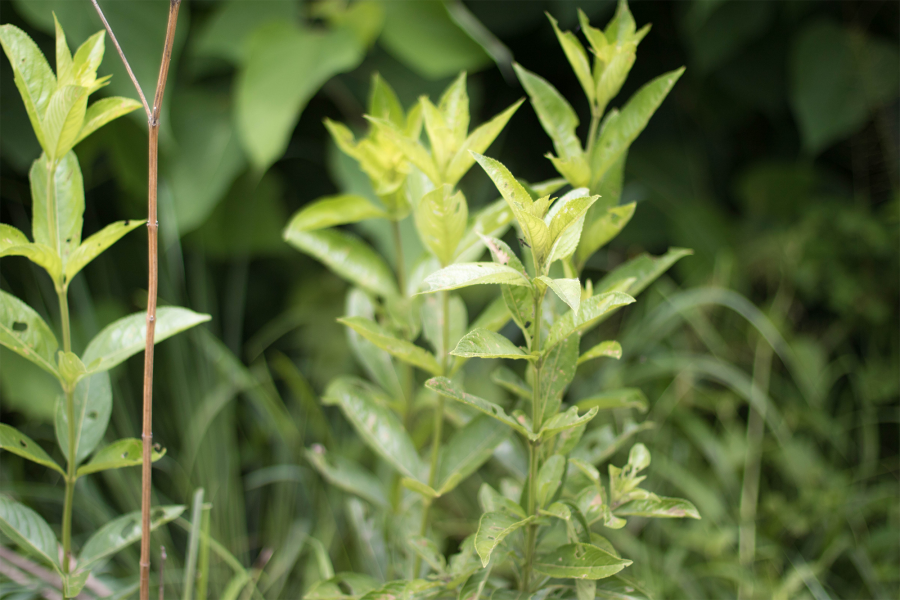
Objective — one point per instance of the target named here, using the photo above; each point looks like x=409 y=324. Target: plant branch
x=134 y=80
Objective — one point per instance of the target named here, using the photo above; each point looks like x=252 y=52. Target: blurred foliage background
x=771 y=358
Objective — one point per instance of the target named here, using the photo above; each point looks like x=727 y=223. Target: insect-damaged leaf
x=122 y=453
x=445 y=387
x=493 y=529
x=579 y=561
x=24 y=332
x=488 y=344
x=13 y=440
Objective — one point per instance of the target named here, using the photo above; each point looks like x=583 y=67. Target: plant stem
x=61 y=294
x=401 y=264
x=438 y=428
x=592 y=132
x=537 y=410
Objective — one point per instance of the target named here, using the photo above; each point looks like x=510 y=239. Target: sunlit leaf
x=33 y=76
x=92 y=406
x=465 y=274
x=441 y=218
x=549 y=478
x=63 y=119
x=95 y=245
x=126 y=452
x=658 y=508
x=567 y=420
x=621 y=398
x=103 y=111
x=644 y=269
x=591 y=310
x=596 y=233
x=334 y=210
x=126 y=337
x=14 y=243
x=609 y=348
x=478 y=141
x=58 y=204
x=556 y=115
x=568 y=290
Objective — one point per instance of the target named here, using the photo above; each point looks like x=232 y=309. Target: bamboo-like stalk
x=153 y=277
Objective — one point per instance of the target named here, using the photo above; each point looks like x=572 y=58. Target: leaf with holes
x=13 y=440
x=579 y=561
x=92 y=407
x=127 y=452
x=445 y=387
x=405 y=351
x=482 y=343
x=121 y=533
x=493 y=528
x=24 y=332
x=28 y=530
x=126 y=337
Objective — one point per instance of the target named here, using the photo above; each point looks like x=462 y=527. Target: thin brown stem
x=134 y=80
x=153 y=278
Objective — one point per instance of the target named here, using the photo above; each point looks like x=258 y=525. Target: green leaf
x=405 y=351
x=433 y=321
x=283 y=67
x=441 y=221
x=839 y=77
x=577 y=57
x=609 y=348
x=71 y=369
x=95 y=245
x=556 y=115
x=347 y=475
x=14 y=243
x=103 y=111
x=567 y=420
x=348 y=256
x=429 y=552
x=511 y=190
x=126 y=452
x=568 y=290
x=658 y=508
x=590 y=312
x=87 y=60
x=33 y=76
x=478 y=141
x=579 y=561
x=24 y=332
x=621 y=27
x=482 y=343
x=493 y=501
x=121 y=533
x=441 y=139
x=502 y=253
x=493 y=527
x=645 y=269
x=126 y=337
x=376 y=424
x=92 y=404
x=13 y=440
x=445 y=387
x=420 y=488
x=601 y=230
x=600 y=443
x=465 y=274
x=557 y=372
x=619 y=133
x=334 y=210
x=57 y=218
x=467 y=449
x=410 y=147
x=63 y=119
x=566 y=222
x=621 y=398
x=27 y=529
x=493 y=220
x=520 y=303
x=424 y=37
x=73 y=583
x=511 y=382
x=550 y=478
x=383 y=102
x=377 y=363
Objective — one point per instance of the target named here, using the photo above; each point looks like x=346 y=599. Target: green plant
x=538 y=527
x=57 y=106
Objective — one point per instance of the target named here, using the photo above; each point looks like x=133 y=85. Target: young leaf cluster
x=57 y=105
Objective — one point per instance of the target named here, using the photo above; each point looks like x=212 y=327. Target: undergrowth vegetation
x=450 y=390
